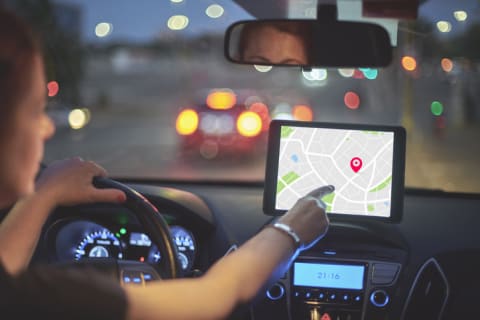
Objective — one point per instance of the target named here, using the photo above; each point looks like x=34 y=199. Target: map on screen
x=357 y=162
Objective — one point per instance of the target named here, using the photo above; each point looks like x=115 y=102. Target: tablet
x=365 y=163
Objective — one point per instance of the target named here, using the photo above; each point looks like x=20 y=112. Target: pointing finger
x=321 y=192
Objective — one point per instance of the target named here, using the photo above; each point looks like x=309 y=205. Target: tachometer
x=185 y=243
x=99 y=244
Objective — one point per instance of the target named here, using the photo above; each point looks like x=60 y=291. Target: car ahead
x=230 y=124
x=134 y=64
x=222 y=123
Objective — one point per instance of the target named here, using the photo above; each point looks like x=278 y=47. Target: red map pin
x=356 y=164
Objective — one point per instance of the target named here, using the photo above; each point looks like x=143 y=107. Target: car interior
x=408 y=247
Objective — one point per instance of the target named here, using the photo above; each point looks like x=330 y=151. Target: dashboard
x=80 y=239
x=424 y=267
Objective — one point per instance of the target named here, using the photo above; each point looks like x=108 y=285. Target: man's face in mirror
x=269 y=44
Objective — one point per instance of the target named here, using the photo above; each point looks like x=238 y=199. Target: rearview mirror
x=308 y=43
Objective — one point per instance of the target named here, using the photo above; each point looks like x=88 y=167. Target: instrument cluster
x=82 y=239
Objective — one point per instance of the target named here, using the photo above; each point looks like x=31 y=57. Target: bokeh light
x=370 y=74
x=347 y=73
x=260 y=68
x=214 y=11
x=315 y=74
x=352 y=100
x=409 y=63
x=249 y=124
x=302 y=113
x=357 y=74
x=262 y=110
x=221 y=100
x=460 y=15
x=437 y=108
x=53 y=88
x=78 y=118
x=282 y=111
x=187 y=122
x=444 y=26
x=447 y=65
x=103 y=29
x=177 y=22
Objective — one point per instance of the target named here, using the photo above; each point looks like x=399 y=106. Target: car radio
x=320 y=288
x=340 y=289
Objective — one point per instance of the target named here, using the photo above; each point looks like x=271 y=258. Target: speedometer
x=99 y=244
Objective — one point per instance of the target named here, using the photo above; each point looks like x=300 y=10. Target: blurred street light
x=409 y=63
x=460 y=15
x=444 y=26
x=103 y=29
x=214 y=11
x=178 y=22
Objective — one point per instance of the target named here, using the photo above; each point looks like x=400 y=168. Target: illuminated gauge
x=99 y=244
x=184 y=262
x=186 y=247
x=185 y=244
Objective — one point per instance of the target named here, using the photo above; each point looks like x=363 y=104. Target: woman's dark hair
x=18 y=47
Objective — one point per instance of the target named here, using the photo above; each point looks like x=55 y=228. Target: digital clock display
x=326 y=275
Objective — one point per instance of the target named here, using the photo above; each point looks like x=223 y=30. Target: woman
x=46 y=292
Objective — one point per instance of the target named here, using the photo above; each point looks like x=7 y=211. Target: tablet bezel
x=398 y=166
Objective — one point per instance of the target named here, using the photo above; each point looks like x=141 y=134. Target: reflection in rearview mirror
x=308 y=43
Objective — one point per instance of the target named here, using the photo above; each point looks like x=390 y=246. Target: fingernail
x=121 y=198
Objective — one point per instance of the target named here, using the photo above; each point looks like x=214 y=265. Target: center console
x=334 y=286
x=341 y=289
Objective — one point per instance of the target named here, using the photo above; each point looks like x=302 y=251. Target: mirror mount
x=327 y=12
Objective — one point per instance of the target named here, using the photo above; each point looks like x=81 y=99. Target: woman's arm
x=235 y=278
x=65 y=182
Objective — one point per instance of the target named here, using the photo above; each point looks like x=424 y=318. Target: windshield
x=143 y=88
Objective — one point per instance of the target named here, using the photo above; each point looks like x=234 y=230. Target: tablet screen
x=362 y=162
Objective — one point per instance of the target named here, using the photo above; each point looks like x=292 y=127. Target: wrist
x=45 y=197
x=288 y=231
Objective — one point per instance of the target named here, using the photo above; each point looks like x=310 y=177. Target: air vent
x=429 y=293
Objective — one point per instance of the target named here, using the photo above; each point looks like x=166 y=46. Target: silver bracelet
x=287 y=230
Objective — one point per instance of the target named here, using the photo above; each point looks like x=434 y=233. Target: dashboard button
x=379 y=298
x=276 y=292
x=332 y=297
x=147 y=276
x=357 y=298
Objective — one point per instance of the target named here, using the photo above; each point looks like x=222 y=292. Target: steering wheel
x=155 y=226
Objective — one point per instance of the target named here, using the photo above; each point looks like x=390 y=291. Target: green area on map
x=328 y=199
x=286 y=131
x=286 y=180
x=382 y=185
x=290 y=177
x=370 y=207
